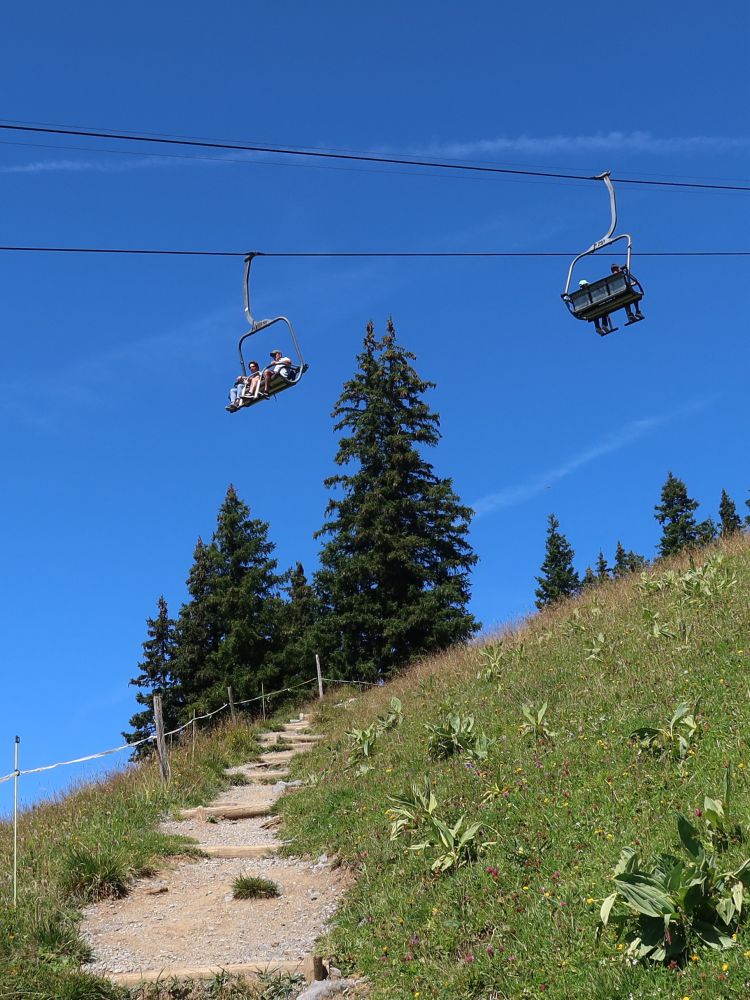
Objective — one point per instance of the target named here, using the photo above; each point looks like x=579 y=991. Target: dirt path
x=186 y=917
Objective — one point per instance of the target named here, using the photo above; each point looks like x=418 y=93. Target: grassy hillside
x=517 y=915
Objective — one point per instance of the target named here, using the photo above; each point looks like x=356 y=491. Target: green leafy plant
x=491 y=659
x=393 y=718
x=362 y=746
x=457 y=734
x=675 y=905
x=456 y=845
x=676 y=738
x=722 y=827
x=535 y=725
x=250 y=887
x=597 y=648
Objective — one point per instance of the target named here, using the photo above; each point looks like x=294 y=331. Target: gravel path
x=187 y=916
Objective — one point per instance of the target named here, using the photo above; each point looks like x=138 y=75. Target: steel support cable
x=359 y=157
x=363 y=253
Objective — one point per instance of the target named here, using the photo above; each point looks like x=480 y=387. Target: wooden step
x=263 y=775
x=228 y=811
x=240 y=850
x=311 y=968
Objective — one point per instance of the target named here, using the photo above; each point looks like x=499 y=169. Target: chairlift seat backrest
x=615 y=291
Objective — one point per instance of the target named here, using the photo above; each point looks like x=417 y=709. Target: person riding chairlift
x=280 y=365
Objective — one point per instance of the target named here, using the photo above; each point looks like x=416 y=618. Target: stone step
x=228 y=811
x=311 y=968
x=240 y=850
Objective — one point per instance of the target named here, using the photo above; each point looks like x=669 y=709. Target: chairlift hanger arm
x=608 y=239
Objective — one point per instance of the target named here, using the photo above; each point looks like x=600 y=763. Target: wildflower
x=724 y=967
x=746 y=954
x=695 y=958
x=590 y=900
x=699 y=813
x=525 y=888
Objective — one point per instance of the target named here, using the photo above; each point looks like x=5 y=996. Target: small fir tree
x=730 y=519
x=706 y=531
x=675 y=515
x=394 y=574
x=590 y=579
x=155 y=677
x=559 y=578
x=627 y=561
x=603 y=571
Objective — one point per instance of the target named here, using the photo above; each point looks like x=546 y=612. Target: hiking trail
x=184 y=923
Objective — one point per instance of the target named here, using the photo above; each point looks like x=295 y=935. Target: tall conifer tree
x=248 y=602
x=730 y=519
x=394 y=576
x=675 y=515
x=298 y=639
x=559 y=578
x=155 y=677
x=228 y=631
x=198 y=629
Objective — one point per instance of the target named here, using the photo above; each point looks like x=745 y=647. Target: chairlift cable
x=360 y=157
x=359 y=253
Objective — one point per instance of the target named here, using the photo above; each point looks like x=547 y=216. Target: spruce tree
x=559 y=578
x=248 y=603
x=155 y=677
x=706 y=531
x=394 y=574
x=675 y=515
x=730 y=519
x=199 y=630
x=627 y=561
x=602 y=569
x=298 y=640
x=590 y=579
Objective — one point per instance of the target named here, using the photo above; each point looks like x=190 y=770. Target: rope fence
x=158 y=738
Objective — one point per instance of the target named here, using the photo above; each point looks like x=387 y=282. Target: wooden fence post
x=161 y=743
x=192 y=752
x=320 y=676
x=263 y=699
x=232 y=709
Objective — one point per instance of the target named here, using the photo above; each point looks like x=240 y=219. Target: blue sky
x=117 y=450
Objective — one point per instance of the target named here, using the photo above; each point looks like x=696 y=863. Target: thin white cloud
x=81 y=166
x=512 y=496
x=610 y=142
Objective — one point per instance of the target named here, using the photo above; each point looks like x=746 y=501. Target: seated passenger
x=235 y=392
x=279 y=365
x=253 y=380
x=633 y=317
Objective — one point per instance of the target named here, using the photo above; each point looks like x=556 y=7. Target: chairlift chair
x=597 y=300
x=279 y=381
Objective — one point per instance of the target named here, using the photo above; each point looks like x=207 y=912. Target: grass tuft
x=250 y=887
